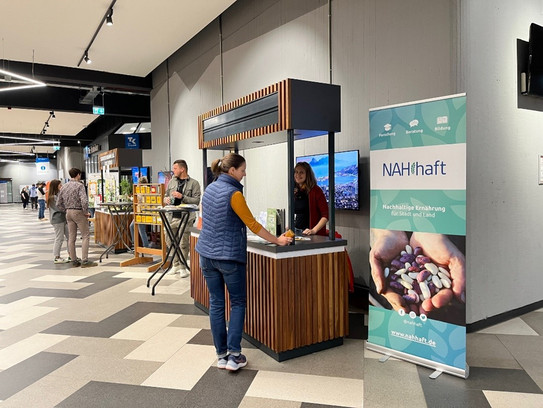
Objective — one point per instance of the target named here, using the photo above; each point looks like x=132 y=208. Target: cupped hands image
x=419 y=272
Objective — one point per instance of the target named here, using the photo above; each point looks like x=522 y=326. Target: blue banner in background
x=418 y=230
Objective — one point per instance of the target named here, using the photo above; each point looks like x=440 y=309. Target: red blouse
x=318 y=208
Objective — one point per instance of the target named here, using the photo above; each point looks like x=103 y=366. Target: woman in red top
x=310 y=207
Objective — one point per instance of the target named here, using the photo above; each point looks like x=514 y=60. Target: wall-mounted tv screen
x=164 y=177
x=346 y=177
x=535 y=60
x=139 y=172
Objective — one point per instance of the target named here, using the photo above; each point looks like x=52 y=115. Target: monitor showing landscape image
x=346 y=177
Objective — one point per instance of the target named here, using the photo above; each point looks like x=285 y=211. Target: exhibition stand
x=297 y=296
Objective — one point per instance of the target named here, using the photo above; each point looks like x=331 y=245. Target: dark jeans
x=41 y=212
x=34 y=202
x=233 y=274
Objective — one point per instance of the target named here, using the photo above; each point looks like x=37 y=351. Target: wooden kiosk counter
x=297 y=296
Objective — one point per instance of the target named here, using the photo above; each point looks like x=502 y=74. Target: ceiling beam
x=54 y=75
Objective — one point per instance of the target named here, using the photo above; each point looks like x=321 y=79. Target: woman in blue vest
x=222 y=246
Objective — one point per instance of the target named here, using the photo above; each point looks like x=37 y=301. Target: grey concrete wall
x=383 y=52
x=505 y=227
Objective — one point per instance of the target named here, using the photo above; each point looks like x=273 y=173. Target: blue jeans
x=217 y=274
x=144 y=242
x=41 y=211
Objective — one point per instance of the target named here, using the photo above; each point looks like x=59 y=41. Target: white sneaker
x=183 y=273
x=174 y=269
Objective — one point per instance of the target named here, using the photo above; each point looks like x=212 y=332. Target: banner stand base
x=435 y=374
x=438 y=367
x=385 y=358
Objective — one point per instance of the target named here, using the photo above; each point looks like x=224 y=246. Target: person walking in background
x=222 y=246
x=142 y=228
x=34 y=197
x=41 y=201
x=25 y=197
x=182 y=189
x=58 y=220
x=73 y=200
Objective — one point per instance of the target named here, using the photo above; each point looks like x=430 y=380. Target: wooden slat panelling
x=282 y=119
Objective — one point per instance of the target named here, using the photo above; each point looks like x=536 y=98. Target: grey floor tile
x=451 y=391
x=118 y=321
x=392 y=384
x=204 y=337
x=528 y=351
x=486 y=350
x=535 y=321
x=219 y=388
x=20 y=376
x=104 y=395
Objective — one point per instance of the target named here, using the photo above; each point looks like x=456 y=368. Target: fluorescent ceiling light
x=15 y=152
x=30 y=83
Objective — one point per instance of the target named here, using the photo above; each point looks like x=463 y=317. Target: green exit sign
x=98 y=110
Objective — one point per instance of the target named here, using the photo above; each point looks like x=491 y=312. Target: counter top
x=316 y=244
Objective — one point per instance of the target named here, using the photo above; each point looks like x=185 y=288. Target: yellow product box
x=153 y=199
x=148 y=199
x=138 y=218
x=159 y=200
x=149 y=219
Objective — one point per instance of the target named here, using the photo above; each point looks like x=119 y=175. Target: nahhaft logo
x=414 y=169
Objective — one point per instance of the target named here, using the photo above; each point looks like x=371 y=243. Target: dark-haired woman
x=222 y=246
x=25 y=197
x=58 y=220
x=310 y=207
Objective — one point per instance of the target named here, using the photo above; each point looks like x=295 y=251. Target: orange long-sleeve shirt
x=239 y=205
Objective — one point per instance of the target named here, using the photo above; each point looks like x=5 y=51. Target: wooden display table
x=297 y=296
x=105 y=229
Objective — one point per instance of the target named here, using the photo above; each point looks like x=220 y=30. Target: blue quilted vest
x=223 y=235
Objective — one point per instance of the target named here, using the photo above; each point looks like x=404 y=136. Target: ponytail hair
x=219 y=166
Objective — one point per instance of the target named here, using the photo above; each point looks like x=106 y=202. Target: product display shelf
x=147 y=197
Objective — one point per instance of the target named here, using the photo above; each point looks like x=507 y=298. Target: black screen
x=535 y=77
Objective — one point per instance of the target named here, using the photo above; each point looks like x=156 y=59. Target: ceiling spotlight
x=87 y=59
x=109 y=17
x=52 y=113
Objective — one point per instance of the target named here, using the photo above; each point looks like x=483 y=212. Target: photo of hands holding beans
x=419 y=272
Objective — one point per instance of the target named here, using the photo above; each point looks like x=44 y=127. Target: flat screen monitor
x=144 y=172
x=535 y=61
x=135 y=175
x=164 y=177
x=139 y=172
x=346 y=177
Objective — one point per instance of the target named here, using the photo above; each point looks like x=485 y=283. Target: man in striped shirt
x=72 y=199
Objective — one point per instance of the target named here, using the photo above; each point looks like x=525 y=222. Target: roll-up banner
x=418 y=233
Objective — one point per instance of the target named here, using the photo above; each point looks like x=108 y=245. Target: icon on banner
x=388 y=126
x=441 y=120
x=414 y=123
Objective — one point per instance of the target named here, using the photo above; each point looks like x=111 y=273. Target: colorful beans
x=417 y=279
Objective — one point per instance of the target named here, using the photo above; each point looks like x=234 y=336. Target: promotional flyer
x=418 y=232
